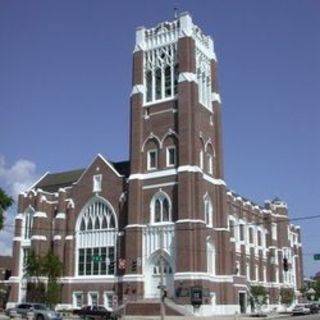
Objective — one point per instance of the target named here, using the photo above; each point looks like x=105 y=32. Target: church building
x=116 y=225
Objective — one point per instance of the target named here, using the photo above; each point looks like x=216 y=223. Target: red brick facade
x=174 y=185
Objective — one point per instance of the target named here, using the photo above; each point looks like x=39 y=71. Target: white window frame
x=208 y=215
x=248 y=271
x=149 y=167
x=168 y=156
x=154 y=61
x=160 y=195
x=106 y=299
x=210 y=163
x=211 y=258
x=74 y=299
x=97 y=183
x=201 y=159
x=89 y=297
x=274 y=231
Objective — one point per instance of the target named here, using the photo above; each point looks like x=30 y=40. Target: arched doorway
x=153 y=276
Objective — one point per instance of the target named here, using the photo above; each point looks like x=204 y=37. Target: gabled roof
x=123 y=167
x=52 y=182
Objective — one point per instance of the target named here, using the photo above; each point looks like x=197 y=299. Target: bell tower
x=175 y=139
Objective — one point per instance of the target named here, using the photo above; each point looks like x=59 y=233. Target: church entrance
x=153 y=276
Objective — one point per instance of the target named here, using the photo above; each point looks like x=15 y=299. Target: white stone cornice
x=132 y=278
x=138 y=88
x=19 y=216
x=40 y=214
x=39 y=237
x=187 y=76
x=57 y=237
x=135 y=226
x=213 y=180
x=215 y=97
x=188 y=168
x=69 y=237
x=190 y=221
x=170 y=172
x=60 y=215
x=202 y=276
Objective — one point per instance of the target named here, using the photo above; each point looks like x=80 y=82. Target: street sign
x=196 y=296
x=97 y=258
x=316 y=256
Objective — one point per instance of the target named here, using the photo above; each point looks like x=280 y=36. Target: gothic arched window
x=208 y=210
x=28 y=223
x=96 y=233
x=161 y=73
x=160 y=208
x=211 y=258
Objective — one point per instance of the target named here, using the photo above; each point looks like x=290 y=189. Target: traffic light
x=134 y=265
x=285 y=264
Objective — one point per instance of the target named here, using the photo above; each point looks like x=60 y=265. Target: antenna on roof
x=175 y=10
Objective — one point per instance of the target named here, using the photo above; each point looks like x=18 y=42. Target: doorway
x=243 y=302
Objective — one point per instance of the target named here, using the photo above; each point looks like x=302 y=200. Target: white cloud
x=17 y=178
x=14 y=179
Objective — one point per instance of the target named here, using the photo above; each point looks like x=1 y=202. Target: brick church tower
x=176 y=152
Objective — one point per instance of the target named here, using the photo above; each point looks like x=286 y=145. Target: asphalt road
x=309 y=317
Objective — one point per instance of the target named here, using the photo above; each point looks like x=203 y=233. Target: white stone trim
x=19 y=216
x=132 y=278
x=171 y=172
x=57 y=237
x=159 y=185
x=90 y=279
x=17 y=239
x=215 y=97
x=39 y=237
x=105 y=161
x=202 y=276
x=213 y=180
x=39 y=214
x=187 y=76
x=190 y=221
x=135 y=226
x=60 y=215
x=152 y=175
x=221 y=229
x=138 y=88
x=35 y=183
x=69 y=237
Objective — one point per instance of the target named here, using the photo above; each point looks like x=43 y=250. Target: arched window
x=208 y=210
x=211 y=258
x=160 y=208
x=161 y=73
x=28 y=223
x=96 y=233
x=209 y=163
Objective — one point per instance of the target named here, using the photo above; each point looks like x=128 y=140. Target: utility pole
x=162 y=306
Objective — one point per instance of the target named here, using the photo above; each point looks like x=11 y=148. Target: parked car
x=39 y=310
x=300 y=309
x=314 y=308
x=95 y=313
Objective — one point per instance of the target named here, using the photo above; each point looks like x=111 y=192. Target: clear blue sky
x=65 y=79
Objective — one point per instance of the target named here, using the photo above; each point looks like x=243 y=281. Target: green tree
x=286 y=296
x=49 y=267
x=5 y=203
x=258 y=295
